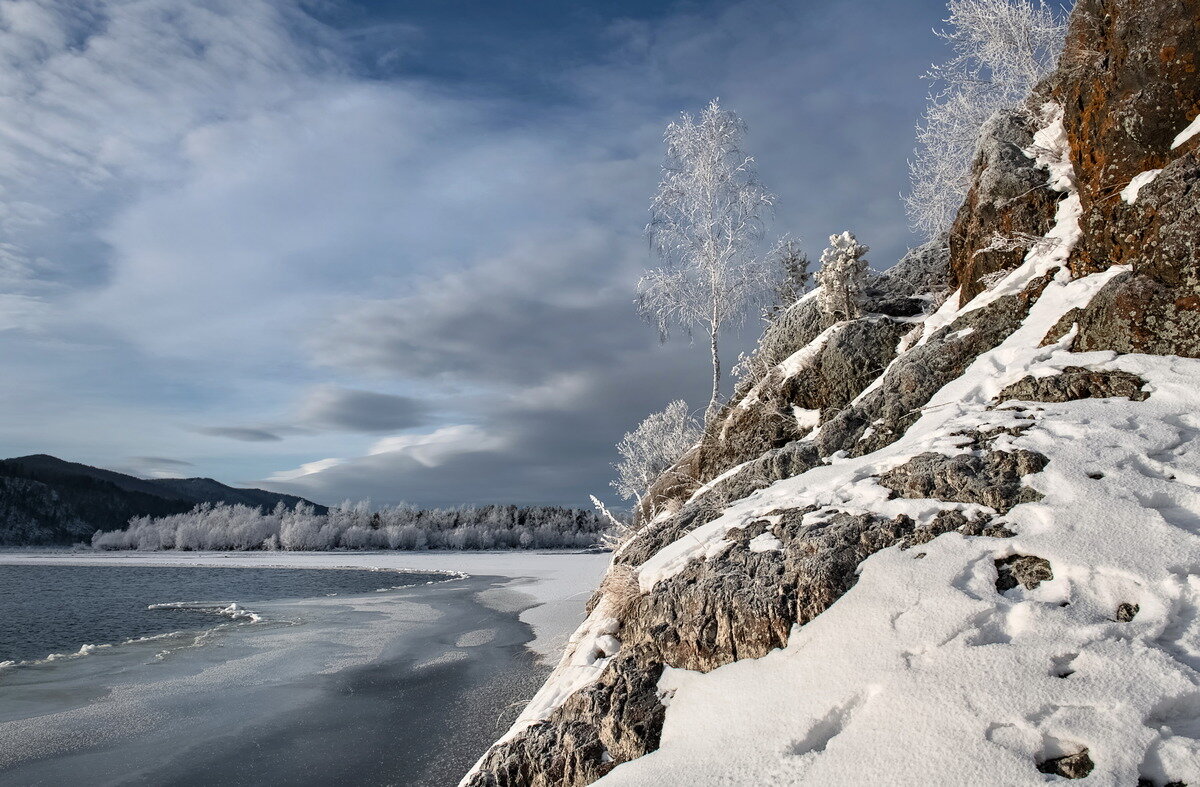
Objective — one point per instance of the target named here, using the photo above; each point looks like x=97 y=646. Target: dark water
x=258 y=705
x=57 y=609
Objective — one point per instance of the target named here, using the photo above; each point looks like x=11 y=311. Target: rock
x=1128 y=83
x=745 y=604
x=1075 y=383
x=1008 y=198
x=1029 y=571
x=1073 y=766
x=993 y=479
x=954 y=521
x=608 y=722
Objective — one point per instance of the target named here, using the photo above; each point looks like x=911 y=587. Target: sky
x=388 y=250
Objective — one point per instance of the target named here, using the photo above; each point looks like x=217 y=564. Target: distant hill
x=46 y=500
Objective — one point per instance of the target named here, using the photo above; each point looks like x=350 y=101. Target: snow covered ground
x=925 y=672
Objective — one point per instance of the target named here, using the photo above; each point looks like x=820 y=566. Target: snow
x=806 y=419
x=547 y=589
x=1130 y=193
x=923 y=664
x=1192 y=129
x=228 y=609
x=765 y=542
x=945 y=681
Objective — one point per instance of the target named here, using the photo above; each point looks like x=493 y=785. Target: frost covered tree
x=793 y=276
x=842 y=278
x=355 y=526
x=706 y=220
x=654 y=446
x=1001 y=49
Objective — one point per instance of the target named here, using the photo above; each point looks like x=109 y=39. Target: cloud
x=211 y=216
x=550 y=305
x=156 y=466
x=246 y=434
x=390 y=457
x=309 y=468
x=331 y=407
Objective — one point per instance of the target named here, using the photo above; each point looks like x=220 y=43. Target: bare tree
x=1001 y=49
x=651 y=448
x=705 y=222
x=842 y=278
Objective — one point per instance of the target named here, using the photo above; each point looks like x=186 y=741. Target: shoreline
x=405 y=686
x=556 y=583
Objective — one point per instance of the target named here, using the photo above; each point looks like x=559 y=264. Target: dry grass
x=621 y=589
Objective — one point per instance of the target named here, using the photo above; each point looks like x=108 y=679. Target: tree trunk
x=716 y=364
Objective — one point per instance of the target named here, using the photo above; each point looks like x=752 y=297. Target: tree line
x=357 y=526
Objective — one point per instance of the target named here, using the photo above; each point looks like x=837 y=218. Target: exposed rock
x=955 y=521
x=1074 y=383
x=895 y=404
x=1127 y=612
x=852 y=356
x=1008 y=198
x=1128 y=83
x=1029 y=571
x=745 y=603
x=1073 y=766
x=992 y=479
x=616 y=719
x=762 y=414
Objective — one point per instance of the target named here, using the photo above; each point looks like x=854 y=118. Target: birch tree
x=706 y=220
x=1002 y=48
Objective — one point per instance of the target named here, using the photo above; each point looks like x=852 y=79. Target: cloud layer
x=294 y=252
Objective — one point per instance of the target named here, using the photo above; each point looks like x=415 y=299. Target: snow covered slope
x=975 y=558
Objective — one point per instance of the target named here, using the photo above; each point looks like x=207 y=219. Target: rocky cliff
x=956 y=540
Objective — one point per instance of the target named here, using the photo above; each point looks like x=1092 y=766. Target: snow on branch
x=706 y=220
x=650 y=449
x=842 y=278
x=1002 y=48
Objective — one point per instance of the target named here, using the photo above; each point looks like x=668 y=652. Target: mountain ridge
x=47 y=500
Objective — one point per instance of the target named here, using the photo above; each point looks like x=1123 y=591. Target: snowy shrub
x=1001 y=49
x=842 y=278
x=651 y=448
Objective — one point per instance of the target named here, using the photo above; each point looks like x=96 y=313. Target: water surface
x=58 y=609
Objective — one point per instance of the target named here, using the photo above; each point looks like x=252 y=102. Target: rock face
x=823 y=395
x=1129 y=84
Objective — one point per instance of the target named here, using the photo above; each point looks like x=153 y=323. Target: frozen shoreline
x=406 y=685
x=557 y=583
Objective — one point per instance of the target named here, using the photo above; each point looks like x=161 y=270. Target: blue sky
x=388 y=250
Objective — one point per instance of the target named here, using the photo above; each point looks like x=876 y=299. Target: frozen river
x=377 y=684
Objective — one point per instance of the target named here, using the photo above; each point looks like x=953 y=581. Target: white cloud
x=306 y=469
x=437 y=447
x=209 y=219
